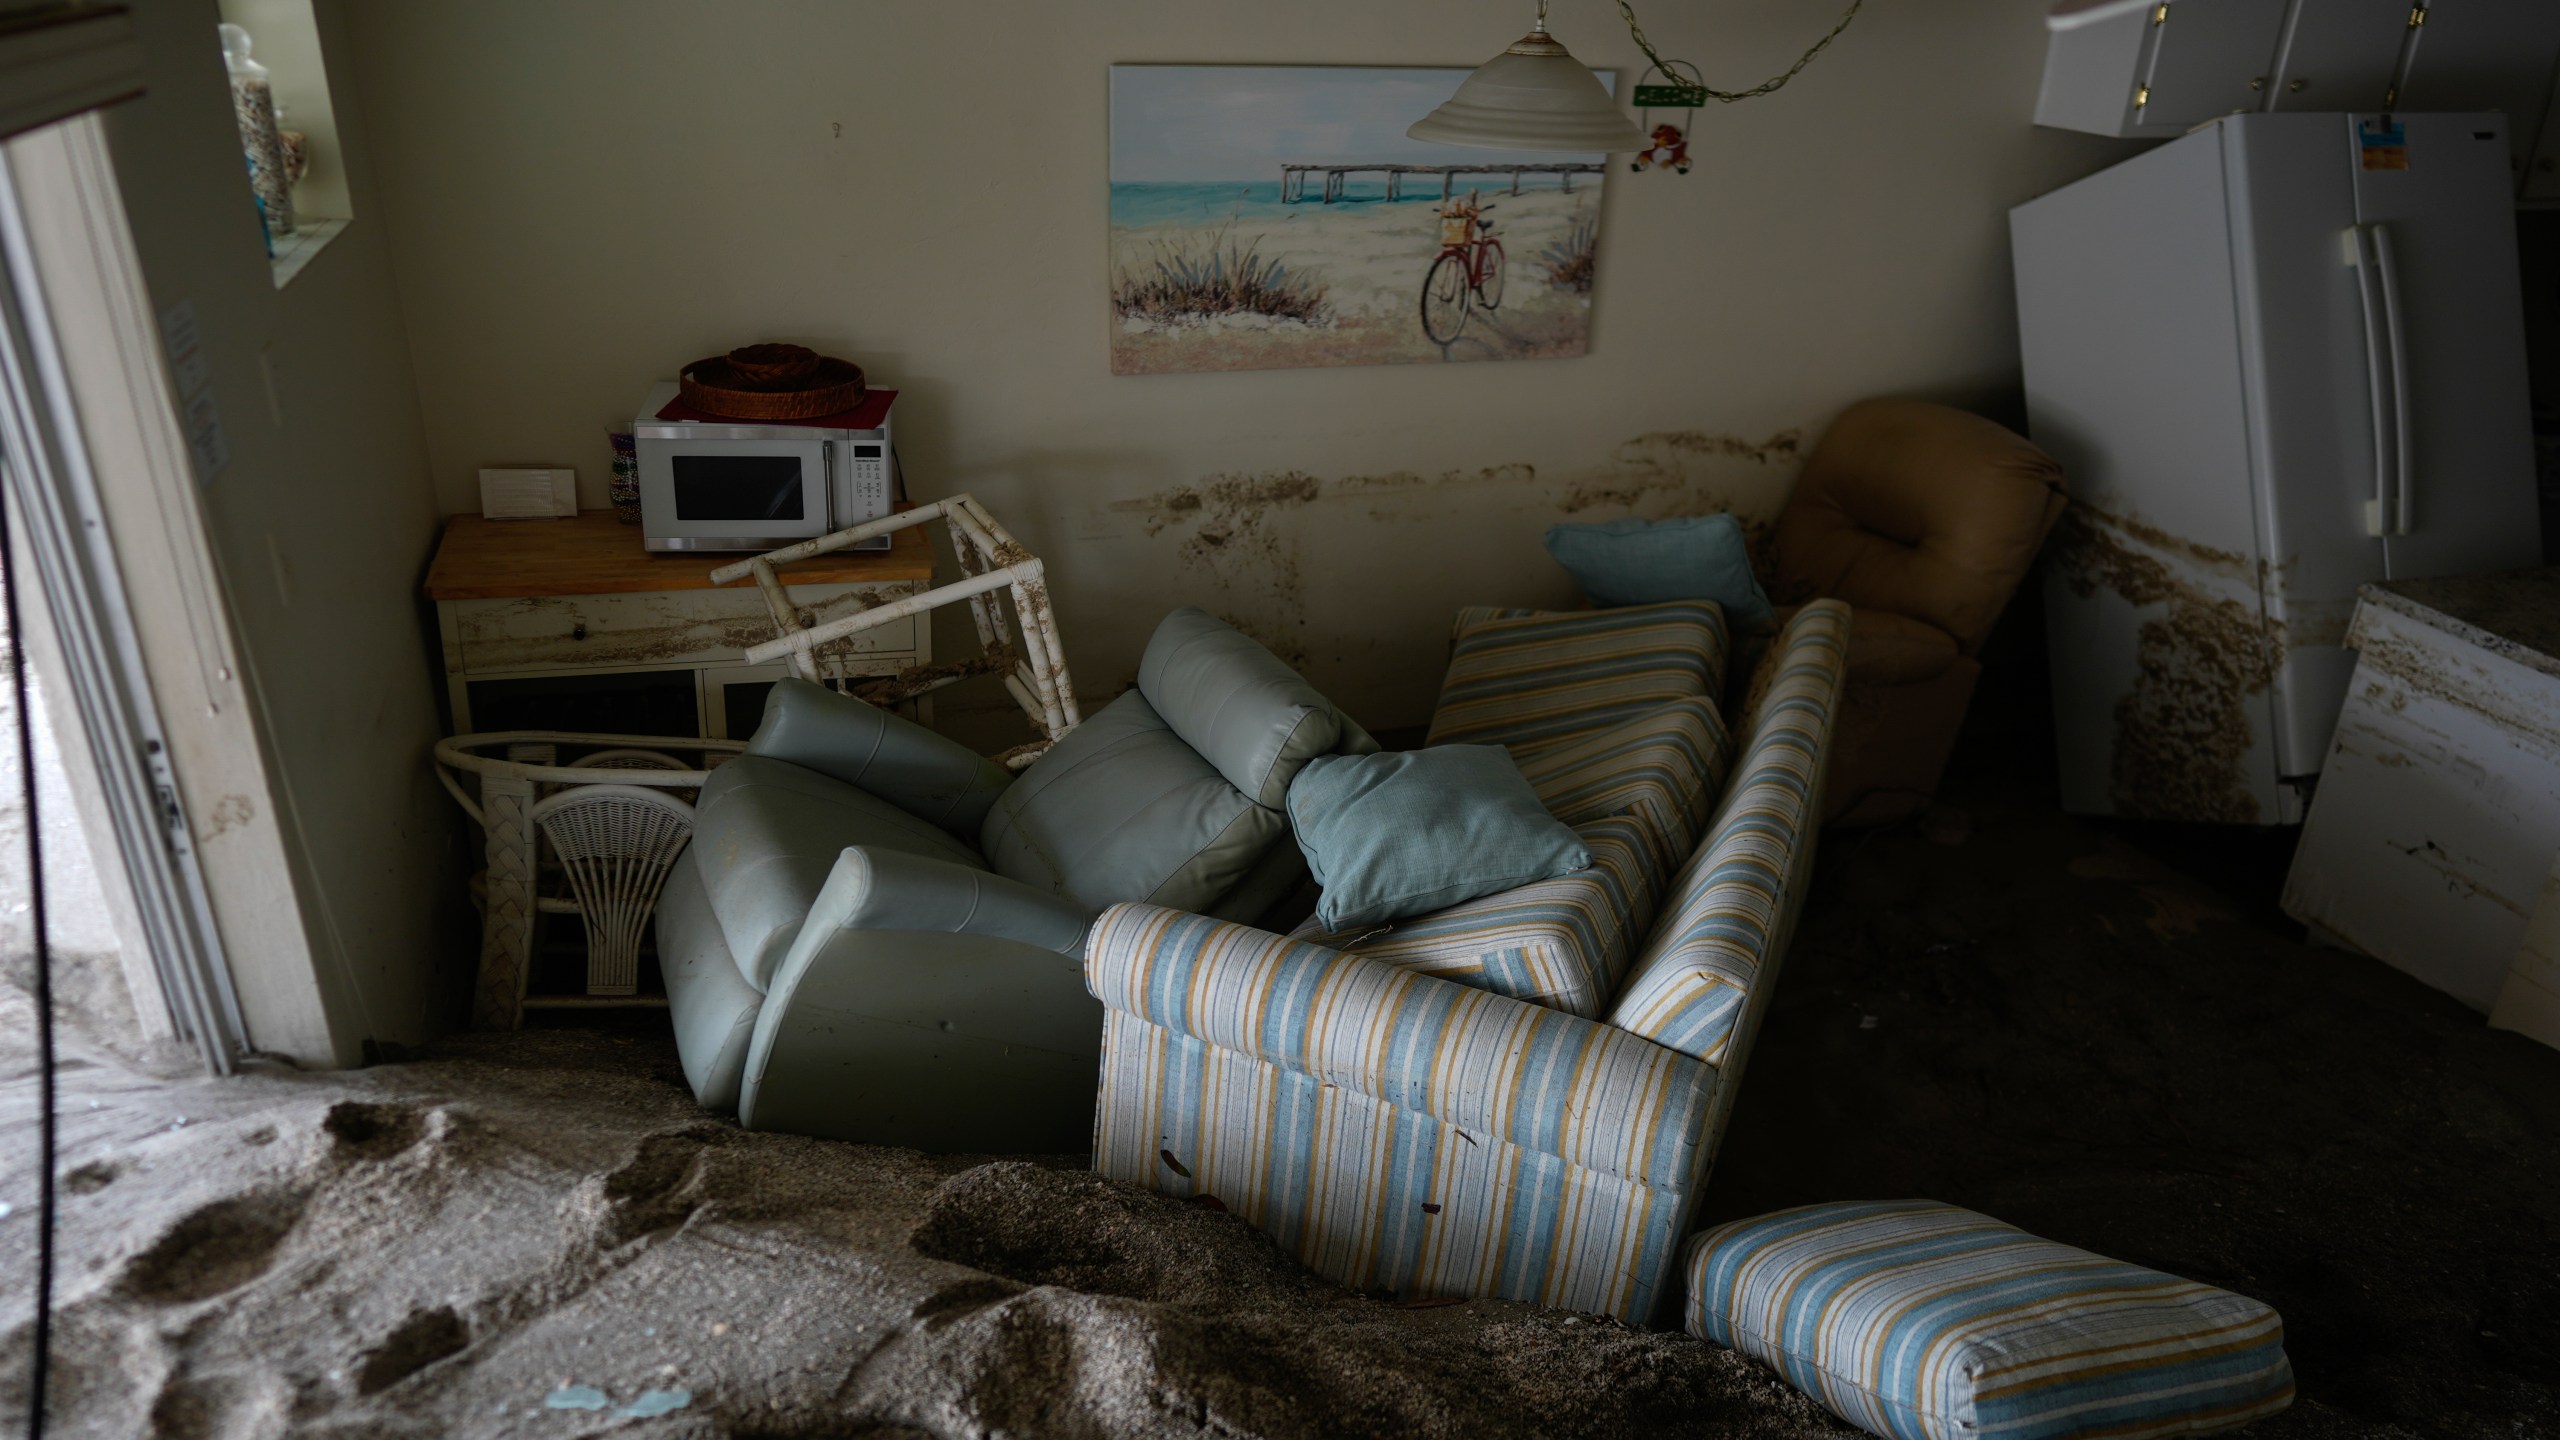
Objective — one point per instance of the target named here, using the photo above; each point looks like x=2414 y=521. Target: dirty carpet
x=540 y=1235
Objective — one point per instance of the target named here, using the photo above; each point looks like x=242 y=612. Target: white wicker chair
x=616 y=842
x=629 y=758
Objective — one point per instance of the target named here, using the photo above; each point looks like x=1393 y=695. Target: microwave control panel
x=866 y=473
x=864 y=489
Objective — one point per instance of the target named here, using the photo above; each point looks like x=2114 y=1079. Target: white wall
x=322 y=525
x=587 y=193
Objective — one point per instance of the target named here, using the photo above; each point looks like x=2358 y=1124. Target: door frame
x=100 y=470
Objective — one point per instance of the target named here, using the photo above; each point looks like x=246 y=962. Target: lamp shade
x=1533 y=96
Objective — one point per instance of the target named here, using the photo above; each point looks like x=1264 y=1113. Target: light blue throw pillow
x=1413 y=831
x=1642 y=562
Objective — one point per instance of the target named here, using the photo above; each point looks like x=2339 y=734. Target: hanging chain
x=1728 y=96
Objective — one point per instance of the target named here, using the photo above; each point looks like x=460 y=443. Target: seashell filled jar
x=253 y=104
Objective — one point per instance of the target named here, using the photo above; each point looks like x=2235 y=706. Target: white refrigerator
x=2277 y=358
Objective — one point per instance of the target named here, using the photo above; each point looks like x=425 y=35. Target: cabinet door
x=612 y=702
x=733 y=698
x=2485 y=55
x=2542 y=162
x=2203 y=56
x=2340 y=55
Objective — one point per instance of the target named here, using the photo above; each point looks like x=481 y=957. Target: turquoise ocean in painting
x=1211 y=202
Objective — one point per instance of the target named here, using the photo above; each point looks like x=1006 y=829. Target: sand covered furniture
x=1924 y=518
x=1921 y=1321
x=1421 y=1133
x=875 y=932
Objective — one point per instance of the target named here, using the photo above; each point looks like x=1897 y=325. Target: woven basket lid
x=771 y=382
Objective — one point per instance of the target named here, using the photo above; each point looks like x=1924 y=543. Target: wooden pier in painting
x=1293 y=178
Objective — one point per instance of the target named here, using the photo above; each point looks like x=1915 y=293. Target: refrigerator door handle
x=2403 y=434
x=2360 y=251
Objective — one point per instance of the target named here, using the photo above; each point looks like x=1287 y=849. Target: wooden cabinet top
x=595 y=554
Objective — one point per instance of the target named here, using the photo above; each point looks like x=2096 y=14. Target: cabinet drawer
x=659 y=627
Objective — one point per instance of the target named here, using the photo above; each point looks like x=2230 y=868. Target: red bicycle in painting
x=1468 y=272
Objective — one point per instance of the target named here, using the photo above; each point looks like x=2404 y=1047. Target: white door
x=2311 y=411
x=2205 y=60
x=2339 y=55
x=2445 y=229
x=2482 y=55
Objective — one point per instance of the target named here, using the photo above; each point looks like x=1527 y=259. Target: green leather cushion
x=711 y=1004
x=1420 y=830
x=913 y=768
x=1124 y=809
x=872 y=888
x=1239 y=705
x=766 y=834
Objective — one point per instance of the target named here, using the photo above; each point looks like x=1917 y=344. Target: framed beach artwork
x=1268 y=216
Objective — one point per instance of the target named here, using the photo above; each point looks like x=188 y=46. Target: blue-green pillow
x=1413 y=831
x=1642 y=562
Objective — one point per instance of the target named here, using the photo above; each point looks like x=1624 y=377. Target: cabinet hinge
x=2417 y=16
x=2160 y=14
x=2141 y=96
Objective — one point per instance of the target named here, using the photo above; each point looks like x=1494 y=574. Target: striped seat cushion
x=1530 y=679
x=1664 y=769
x=1922 y=1321
x=1562 y=942
x=1725 y=917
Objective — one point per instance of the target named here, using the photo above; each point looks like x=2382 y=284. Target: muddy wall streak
x=2183 y=732
x=1361 y=572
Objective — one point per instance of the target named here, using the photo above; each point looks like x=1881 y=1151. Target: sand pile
x=541 y=1235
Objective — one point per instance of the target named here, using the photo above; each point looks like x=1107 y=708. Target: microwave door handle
x=2358 y=252
x=2403 y=434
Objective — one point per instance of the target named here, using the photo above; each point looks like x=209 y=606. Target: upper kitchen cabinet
x=2342 y=54
x=2155 y=67
x=2486 y=55
x=2161 y=67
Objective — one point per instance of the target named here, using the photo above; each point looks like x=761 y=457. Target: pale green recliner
x=877 y=934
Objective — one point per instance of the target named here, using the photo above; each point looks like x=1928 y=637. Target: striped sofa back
x=1700 y=981
x=1529 y=679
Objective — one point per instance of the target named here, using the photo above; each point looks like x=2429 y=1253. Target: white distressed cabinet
x=571 y=625
x=2431 y=838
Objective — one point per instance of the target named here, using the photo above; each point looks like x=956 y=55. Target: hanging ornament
x=1666 y=145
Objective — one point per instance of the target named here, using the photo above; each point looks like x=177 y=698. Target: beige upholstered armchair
x=1924 y=518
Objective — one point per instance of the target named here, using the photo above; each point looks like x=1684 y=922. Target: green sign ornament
x=1671 y=97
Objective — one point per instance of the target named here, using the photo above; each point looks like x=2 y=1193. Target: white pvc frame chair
x=1022 y=647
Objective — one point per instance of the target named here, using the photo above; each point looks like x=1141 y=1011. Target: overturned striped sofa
x=1487 y=1103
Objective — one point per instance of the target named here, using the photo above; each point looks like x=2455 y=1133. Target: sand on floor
x=2002 y=1007
x=541 y=1235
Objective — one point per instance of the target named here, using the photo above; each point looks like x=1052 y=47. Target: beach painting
x=1266 y=216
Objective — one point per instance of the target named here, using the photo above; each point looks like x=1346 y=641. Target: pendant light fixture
x=1536 y=96
x=1533 y=96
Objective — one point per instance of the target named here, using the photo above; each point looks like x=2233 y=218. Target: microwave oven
x=712 y=483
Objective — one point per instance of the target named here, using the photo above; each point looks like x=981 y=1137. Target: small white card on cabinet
x=529 y=494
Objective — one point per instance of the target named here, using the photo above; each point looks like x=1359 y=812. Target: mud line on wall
x=1665 y=461
x=1231 y=529
x=2183 y=731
